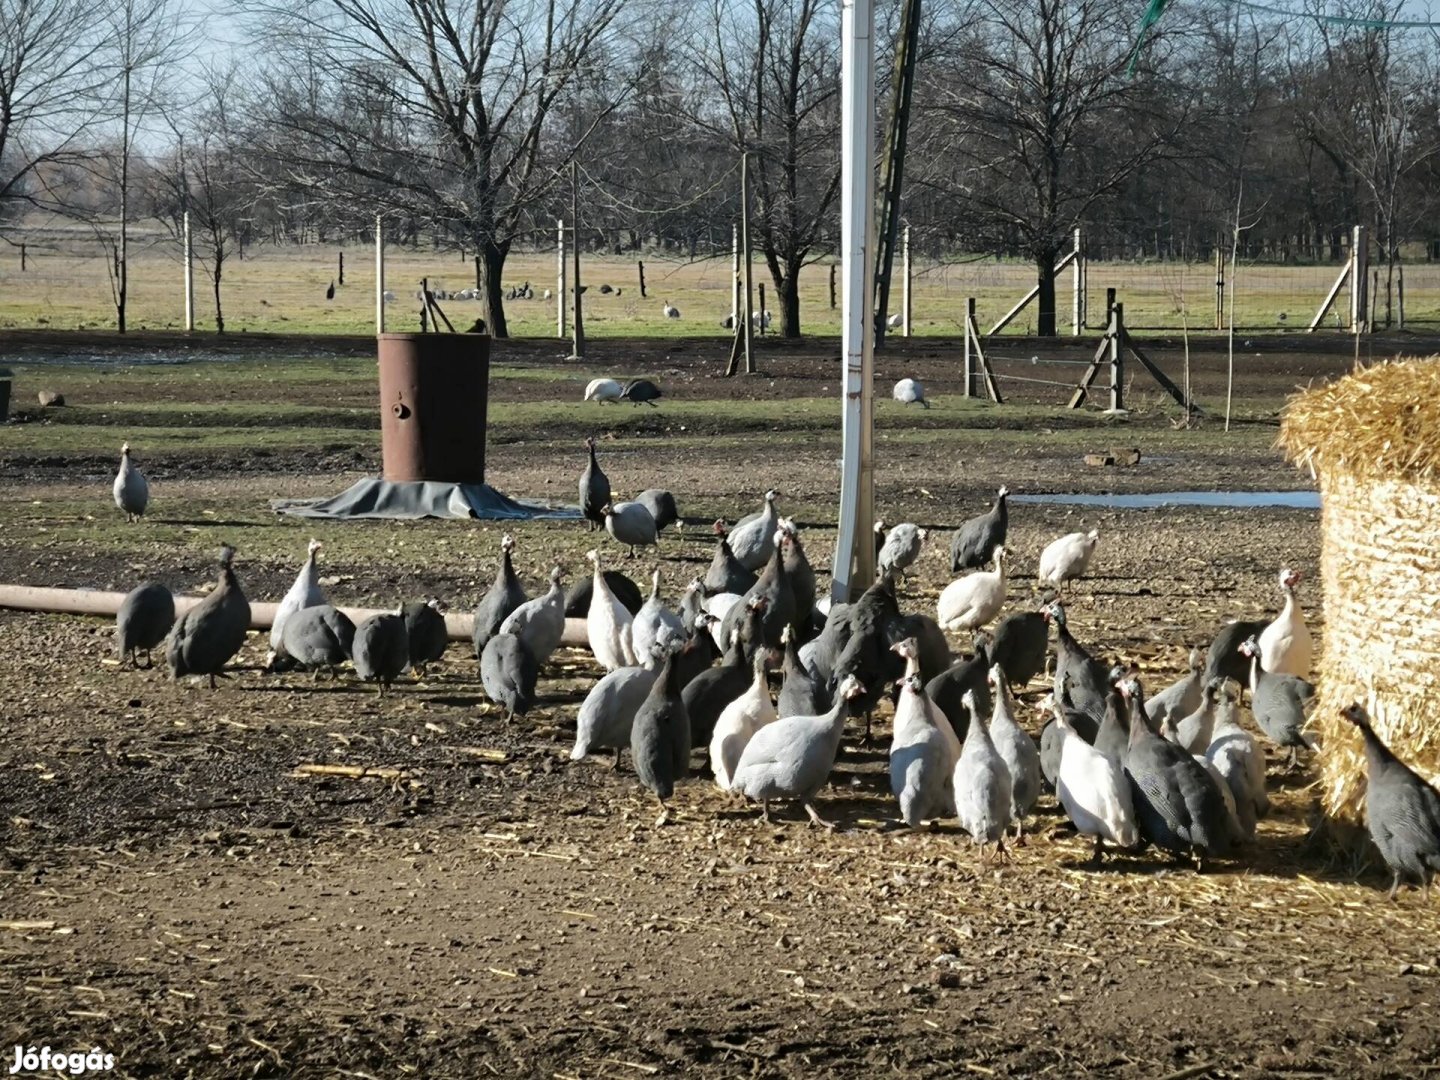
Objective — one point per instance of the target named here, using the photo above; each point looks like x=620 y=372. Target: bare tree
x=439 y=111
x=775 y=68
x=51 y=76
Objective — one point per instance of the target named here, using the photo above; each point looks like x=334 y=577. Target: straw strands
x=1373 y=441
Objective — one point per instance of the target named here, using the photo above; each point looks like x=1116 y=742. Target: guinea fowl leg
x=765 y=811
x=1099 y=856
x=816 y=818
x=617 y=759
x=664 y=813
x=212 y=682
x=1394 y=887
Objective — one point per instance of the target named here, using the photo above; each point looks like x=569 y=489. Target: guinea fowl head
x=590 y=443
x=771 y=496
x=995 y=677
x=1357 y=715
x=125 y=449
x=1289 y=579
x=999 y=557
x=851 y=688
x=1093 y=535
x=880 y=527
x=719 y=527
x=555 y=575
x=507 y=542
x=906 y=648
x=593 y=555
x=437 y=605
x=1116 y=676
x=227 y=556
x=1002 y=492
x=1197 y=661
x=1054 y=612
x=314 y=547
x=1250 y=647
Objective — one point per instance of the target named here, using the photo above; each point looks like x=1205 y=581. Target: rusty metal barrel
x=434 y=395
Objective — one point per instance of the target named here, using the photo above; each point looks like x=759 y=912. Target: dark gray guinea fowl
x=726 y=574
x=642 y=391
x=1020 y=645
x=577 y=600
x=661 y=505
x=204 y=639
x=382 y=649
x=318 y=637
x=802 y=582
x=1278 y=701
x=972 y=546
x=867 y=654
x=145 y=617
x=1223 y=660
x=799 y=693
x=425 y=625
x=1401 y=810
x=1089 y=679
x=660 y=738
x=594 y=490
x=505 y=595
x=1113 y=737
x=698 y=653
x=508 y=672
x=947 y=690
x=1178 y=804
x=710 y=691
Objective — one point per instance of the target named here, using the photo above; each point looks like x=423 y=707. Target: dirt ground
x=180 y=894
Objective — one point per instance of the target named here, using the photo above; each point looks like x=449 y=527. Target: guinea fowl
x=594 y=490
x=692 y=604
x=131 y=490
x=1089 y=680
x=642 y=392
x=970 y=602
x=1178 y=804
x=910 y=392
x=505 y=595
x=948 y=689
x=1285 y=645
x=607 y=623
x=1093 y=789
x=698 y=653
x=1016 y=748
x=821 y=655
x=1195 y=731
x=867 y=654
x=655 y=623
x=305 y=592
x=1112 y=737
x=800 y=695
x=726 y=575
x=577 y=600
x=630 y=524
x=1084 y=726
x=737 y=724
x=540 y=623
x=203 y=640
x=660 y=738
x=1068 y=558
x=972 y=546
x=509 y=672
x=426 y=632
x=753 y=539
x=982 y=784
x=145 y=617
x=802 y=581
x=603 y=390
x=661 y=505
x=381 y=649
x=709 y=692
x=1224 y=660
x=1235 y=755
x=1020 y=645
x=923 y=748
x=900 y=548
x=606 y=714
x=1402 y=811
x=1278 y=702
x=318 y=637
x=773 y=587
x=1180 y=698
x=792 y=758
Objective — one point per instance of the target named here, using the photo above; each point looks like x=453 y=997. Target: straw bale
x=1373 y=441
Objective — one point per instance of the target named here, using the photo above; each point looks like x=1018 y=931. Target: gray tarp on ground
x=376 y=498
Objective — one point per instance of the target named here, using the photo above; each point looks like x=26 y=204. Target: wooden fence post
x=640 y=265
x=1117 y=357
x=761 y=287
x=832 y=286
x=342 y=268
x=969 y=354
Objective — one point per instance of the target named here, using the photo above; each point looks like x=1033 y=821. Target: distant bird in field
x=642 y=391
x=204 y=639
x=477 y=328
x=1401 y=809
x=894 y=321
x=132 y=492
x=330 y=292
x=910 y=392
x=671 y=312
x=145 y=617
x=603 y=390
x=1068 y=558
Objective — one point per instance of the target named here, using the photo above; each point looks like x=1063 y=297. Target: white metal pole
x=735 y=274
x=189 y=277
x=905 y=266
x=379 y=276
x=1078 y=271
x=560 y=277
x=854 y=566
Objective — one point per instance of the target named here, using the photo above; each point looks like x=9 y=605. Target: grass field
x=66 y=287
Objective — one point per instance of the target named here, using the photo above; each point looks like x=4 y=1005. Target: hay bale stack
x=1372 y=440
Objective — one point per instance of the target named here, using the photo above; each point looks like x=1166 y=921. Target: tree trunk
x=1045 y=302
x=219 y=314
x=491 y=269
x=787 y=292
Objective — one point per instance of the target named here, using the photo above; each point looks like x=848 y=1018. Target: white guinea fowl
x=603 y=390
x=982 y=783
x=304 y=593
x=1093 y=790
x=737 y=724
x=540 y=623
x=653 y=621
x=910 y=392
x=1014 y=744
x=131 y=489
x=607 y=624
x=1285 y=645
x=1067 y=558
x=1237 y=759
x=923 y=749
x=970 y=602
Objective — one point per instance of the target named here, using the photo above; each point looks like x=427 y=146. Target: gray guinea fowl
x=131 y=491
x=661 y=505
x=1279 y=702
x=204 y=639
x=505 y=595
x=972 y=547
x=630 y=524
x=508 y=672
x=608 y=711
x=381 y=649
x=318 y=637
x=753 y=538
x=1401 y=810
x=145 y=617
x=426 y=632
x=660 y=738
x=983 y=787
x=726 y=575
x=594 y=490
x=540 y=623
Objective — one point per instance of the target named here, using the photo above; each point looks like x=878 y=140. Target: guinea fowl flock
x=1178 y=771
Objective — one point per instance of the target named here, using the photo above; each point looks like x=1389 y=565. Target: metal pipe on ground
x=262 y=614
